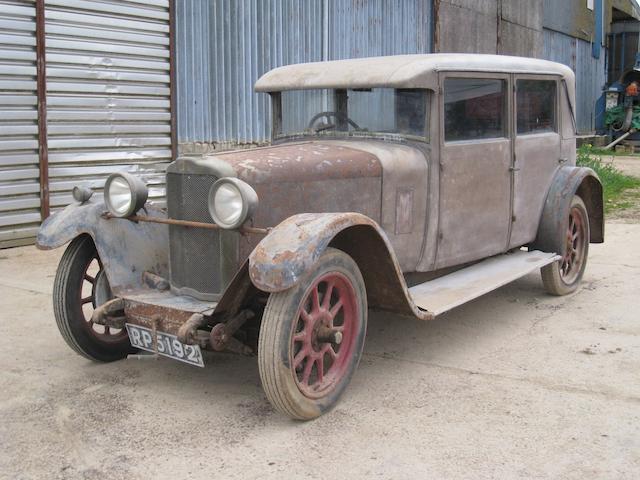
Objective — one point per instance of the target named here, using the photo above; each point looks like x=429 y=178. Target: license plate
x=168 y=345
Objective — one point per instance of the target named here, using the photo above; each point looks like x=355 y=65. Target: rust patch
x=168 y=320
x=302 y=162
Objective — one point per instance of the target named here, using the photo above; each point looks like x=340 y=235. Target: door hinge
x=514 y=169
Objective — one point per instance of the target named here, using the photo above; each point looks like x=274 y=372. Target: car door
x=475 y=162
x=536 y=151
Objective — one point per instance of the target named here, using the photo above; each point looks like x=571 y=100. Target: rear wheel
x=564 y=276
x=80 y=286
x=311 y=337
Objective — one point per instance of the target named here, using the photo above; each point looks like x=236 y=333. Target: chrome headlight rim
x=249 y=202
x=137 y=192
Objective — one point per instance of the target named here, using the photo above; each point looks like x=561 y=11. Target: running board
x=447 y=292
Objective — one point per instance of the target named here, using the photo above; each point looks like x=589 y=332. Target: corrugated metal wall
x=223 y=47
x=590 y=73
x=378 y=27
x=19 y=172
x=108 y=98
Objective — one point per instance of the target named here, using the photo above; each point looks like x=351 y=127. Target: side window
x=474 y=108
x=536 y=105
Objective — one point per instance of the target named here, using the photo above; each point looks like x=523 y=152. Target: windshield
x=382 y=112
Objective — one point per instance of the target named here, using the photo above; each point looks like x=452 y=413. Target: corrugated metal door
x=19 y=186
x=108 y=95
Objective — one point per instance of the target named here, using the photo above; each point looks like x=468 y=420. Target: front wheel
x=564 y=276
x=311 y=337
x=80 y=286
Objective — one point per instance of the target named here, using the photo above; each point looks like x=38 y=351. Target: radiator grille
x=194 y=253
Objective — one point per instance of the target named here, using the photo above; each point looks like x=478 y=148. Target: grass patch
x=614 y=182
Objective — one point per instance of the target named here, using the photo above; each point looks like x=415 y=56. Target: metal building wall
x=223 y=47
x=19 y=172
x=108 y=95
x=590 y=73
x=377 y=27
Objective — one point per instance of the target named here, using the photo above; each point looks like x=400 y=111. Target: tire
x=94 y=342
x=322 y=335
x=564 y=276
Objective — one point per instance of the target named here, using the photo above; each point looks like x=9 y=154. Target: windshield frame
x=341 y=101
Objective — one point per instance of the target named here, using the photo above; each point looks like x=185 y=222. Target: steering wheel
x=328 y=126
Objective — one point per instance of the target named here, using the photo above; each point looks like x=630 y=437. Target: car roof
x=400 y=71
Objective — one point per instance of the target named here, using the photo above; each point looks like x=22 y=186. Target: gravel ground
x=516 y=384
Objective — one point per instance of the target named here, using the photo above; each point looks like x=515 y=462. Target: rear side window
x=474 y=108
x=536 y=104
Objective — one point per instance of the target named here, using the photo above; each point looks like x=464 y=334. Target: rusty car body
x=409 y=184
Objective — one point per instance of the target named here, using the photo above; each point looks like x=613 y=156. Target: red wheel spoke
x=307 y=372
x=329 y=349
x=300 y=356
x=335 y=309
x=320 y=369
x=326 y=300
x=86 y=300
x=300 y=336
x=306 y=317
x=315 y=299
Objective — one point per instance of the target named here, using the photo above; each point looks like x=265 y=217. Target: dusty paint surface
x=301 y=162
x=127 y=249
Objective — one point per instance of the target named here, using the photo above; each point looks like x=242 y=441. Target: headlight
x=231 y=202
x=124 y=194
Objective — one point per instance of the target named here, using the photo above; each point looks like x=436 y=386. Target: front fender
x=127 y=249
x=292 y=247
x=569 y=181
x=290 y=250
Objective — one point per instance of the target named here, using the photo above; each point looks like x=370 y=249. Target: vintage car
x=407 y=184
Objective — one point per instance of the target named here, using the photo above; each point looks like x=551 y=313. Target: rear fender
x=127 y=249
x=291 y=249
x=570 y=181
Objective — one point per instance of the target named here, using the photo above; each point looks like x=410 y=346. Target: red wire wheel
x=564 y=276
x=324 y=334
x=311 y=337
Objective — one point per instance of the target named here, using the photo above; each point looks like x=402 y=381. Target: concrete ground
x=516 y=384
x=627 y=164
